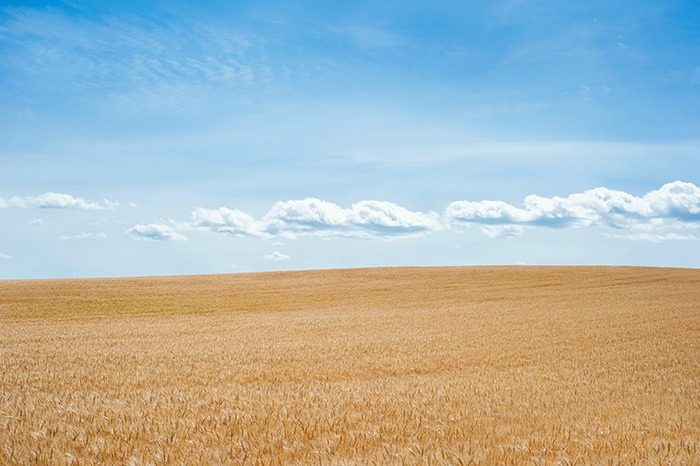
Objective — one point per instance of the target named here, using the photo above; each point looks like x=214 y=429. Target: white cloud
x=676 y=200
x=313 y=217
x=368 y=219
x=37 y=222
x=276 y=256
x=388 y=218
x=304 y=216
x=4 y=256
x=496 y=212
x=661 y=214
x=155 y=232
x=673 y=203
x=222 y=220
x=85 y=236
x=54 y=201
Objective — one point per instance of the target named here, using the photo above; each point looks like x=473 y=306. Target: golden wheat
x=482 y=365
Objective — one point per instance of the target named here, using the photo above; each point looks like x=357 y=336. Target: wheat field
x=470 y=365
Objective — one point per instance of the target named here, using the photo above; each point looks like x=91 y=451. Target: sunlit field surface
x=488 y=365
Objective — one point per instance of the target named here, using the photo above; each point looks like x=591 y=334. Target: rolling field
x=480 y=365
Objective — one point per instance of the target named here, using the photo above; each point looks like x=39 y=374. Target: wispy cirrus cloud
x=52 y=200
x=368 y=37
x=502 y=231
x=232 y=222
x=155 y=232
x=100 y=235
x=656 y=237
x=125 y=57
x=5 y=256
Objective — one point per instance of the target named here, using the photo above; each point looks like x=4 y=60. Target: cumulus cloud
x=313 y=217
x=672 y=203
x=368 y=219
x=155 y=232
x=4 y=256
x=676 y=200
x=55 y=201
x=37 y=222
x=222 y=220
x=85 y=236
x=658 y=215
x=276 y=256
x=486 y=212
x=388 y=218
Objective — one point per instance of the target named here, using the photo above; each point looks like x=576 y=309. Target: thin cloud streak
x=52 y=200
x=655 y=237
x=155 y=232
x=100 y=235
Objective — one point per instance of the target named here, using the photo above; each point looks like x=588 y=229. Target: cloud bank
x=659 y=215
x=672 y=204
x=313 y=217
x=54 y=201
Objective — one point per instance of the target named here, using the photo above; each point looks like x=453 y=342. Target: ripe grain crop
x=473 y=365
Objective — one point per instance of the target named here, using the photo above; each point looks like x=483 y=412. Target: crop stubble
x=493 y=365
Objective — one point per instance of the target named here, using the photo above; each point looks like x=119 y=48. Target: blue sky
x=148 y=138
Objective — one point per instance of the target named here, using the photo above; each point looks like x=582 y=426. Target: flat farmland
x=480 y=365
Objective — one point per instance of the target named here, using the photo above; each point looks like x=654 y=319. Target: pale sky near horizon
x=170 y=137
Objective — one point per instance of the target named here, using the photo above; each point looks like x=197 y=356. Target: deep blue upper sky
x=173 y=137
